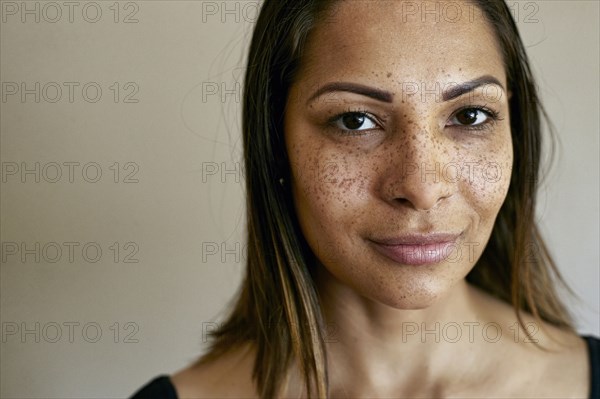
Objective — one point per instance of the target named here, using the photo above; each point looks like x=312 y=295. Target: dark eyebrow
x=466 y=87
x=367 y=91
x=456 y=90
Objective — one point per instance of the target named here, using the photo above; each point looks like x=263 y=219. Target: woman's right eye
x=354 y=121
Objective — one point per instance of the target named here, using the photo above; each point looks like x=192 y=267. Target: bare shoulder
x=563 y=362
x=227 y=377
x=553 y=362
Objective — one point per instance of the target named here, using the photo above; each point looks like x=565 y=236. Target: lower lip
x=417 y=255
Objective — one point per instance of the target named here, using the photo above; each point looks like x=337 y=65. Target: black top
x=159 y=388
x=162 y=388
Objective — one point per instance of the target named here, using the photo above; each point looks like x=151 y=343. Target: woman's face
x=398 y=135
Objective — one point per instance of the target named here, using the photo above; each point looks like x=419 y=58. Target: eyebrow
x=466 y=87
x=380 y=95
x=385 y=96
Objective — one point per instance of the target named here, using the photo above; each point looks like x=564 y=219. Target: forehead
x=407 y=40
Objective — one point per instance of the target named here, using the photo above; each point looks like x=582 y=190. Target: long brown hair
x=277 y=308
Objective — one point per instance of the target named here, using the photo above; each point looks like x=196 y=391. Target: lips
x=417 y=249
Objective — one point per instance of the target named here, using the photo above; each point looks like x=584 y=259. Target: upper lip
x=418 y=239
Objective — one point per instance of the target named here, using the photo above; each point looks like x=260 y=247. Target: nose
x=419 y=174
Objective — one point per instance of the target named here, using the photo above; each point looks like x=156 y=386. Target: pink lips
x=418 y=249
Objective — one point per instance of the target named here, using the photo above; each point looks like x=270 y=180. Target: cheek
x=485 y=185
x=330 y=189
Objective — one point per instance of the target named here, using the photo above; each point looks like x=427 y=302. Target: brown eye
x=354 y=121
x=467 y=116
x=472 y=117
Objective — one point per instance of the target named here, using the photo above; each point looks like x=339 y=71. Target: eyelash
x=493 y=118
x=332 y=121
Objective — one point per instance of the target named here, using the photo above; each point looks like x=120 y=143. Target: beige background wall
x=150 y=176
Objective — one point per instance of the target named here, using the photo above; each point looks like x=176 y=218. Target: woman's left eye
x=472 y=117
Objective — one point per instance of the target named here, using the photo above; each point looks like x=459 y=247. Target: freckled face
x=394 y=154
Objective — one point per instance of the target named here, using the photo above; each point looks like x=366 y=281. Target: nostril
x=403 y=201
x=422 y=201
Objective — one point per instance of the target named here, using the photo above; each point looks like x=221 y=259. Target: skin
x=351 y=188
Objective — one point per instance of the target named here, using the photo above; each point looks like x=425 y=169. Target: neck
x=374 y=349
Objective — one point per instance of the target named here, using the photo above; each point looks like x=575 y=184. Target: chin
x=406 y=288
x=422 y=297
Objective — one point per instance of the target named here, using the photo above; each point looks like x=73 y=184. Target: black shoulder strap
x=594 y=351
x=159 y=388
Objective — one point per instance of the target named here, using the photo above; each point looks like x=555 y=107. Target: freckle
x=389 y=74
